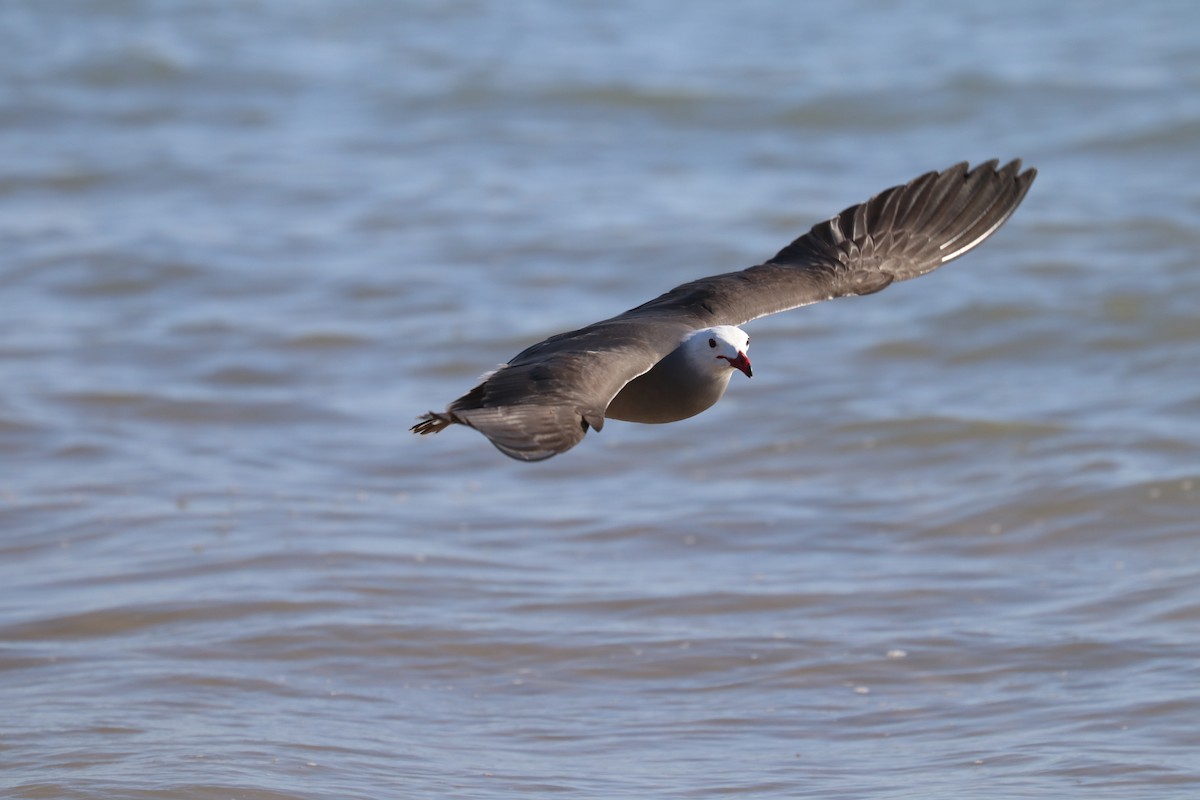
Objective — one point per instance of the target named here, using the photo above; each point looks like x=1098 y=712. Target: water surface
x=942 y=545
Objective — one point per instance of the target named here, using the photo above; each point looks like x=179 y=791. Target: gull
x=672 y=357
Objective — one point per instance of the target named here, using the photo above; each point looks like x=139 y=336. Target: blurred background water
x=943 y=544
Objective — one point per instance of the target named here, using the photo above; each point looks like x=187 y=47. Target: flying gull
x=671 y=358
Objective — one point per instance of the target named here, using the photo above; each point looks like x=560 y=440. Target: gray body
x=669 y=392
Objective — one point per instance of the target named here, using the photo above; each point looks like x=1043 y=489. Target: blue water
x=942 y=545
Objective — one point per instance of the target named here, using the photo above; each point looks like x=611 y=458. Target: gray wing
x=543 y=401
x=901 y=233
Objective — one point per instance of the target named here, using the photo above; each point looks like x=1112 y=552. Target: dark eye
x=712 y=342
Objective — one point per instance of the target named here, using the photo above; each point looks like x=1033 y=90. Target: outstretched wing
x=544 y=400
x=901 y=233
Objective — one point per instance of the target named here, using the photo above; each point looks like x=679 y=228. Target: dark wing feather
x=543 y=401
x=899 y=234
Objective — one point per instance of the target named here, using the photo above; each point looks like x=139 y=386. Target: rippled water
x=943 y=544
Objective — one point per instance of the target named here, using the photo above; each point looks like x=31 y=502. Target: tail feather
x=432 y=422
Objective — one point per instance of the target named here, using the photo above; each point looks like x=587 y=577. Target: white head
x=718 y=350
